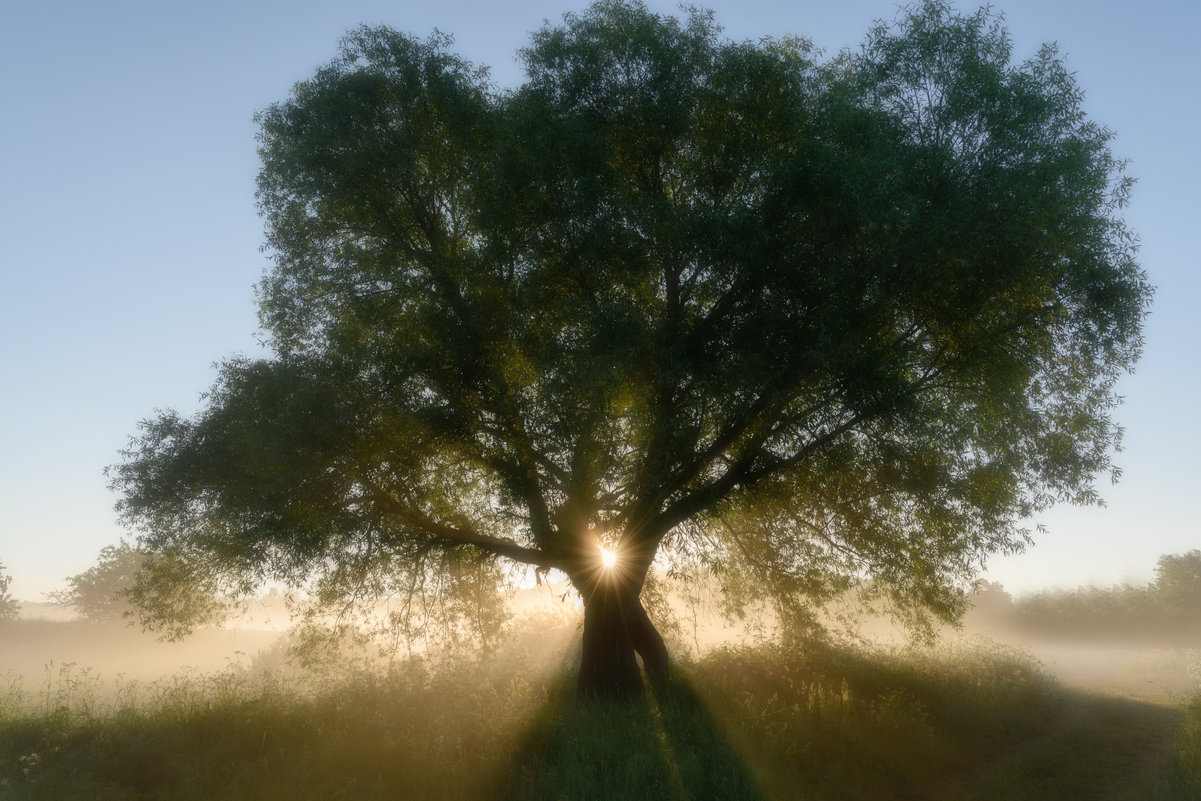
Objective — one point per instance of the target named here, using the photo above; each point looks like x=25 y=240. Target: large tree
x=808 y=320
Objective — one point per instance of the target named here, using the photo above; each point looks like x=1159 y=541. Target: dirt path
x=1096 y=748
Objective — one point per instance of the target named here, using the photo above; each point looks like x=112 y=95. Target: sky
x=130 y=242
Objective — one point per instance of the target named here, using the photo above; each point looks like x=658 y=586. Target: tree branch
x=464 y=535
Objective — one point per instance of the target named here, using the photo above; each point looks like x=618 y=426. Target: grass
x=829 y=722
x=667 y=748
x=1181 y=780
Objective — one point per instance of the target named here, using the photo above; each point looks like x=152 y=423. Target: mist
x=1137 y=641
x=1086 y=685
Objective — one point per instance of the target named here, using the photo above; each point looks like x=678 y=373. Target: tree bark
x=648 y=642
x=616 y=627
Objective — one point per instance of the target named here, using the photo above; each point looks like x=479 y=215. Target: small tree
x=100 y=594
x=124 y=576
x=810 y=323
x=9 y=608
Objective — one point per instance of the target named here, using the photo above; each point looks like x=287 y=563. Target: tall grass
x=828 y=722
x=407 y=733
x=1182 y=777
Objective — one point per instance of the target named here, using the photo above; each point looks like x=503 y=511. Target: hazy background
x=129 y=241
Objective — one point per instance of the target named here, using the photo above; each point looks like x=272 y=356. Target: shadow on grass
x=665 y=746
x=826 y=725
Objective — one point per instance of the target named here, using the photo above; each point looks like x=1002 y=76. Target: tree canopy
x=1178 y=583
x=808 y=320
x=100 y=593
x=126 y=577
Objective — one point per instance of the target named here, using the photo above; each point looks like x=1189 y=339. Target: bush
x=9 y=608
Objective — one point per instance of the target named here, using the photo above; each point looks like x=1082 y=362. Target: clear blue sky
x=129 y=242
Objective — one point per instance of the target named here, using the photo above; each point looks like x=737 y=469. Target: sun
x=608 y=557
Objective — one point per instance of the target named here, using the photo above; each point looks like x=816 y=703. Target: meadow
x=967 y=719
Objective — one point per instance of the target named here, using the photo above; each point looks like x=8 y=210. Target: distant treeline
x=1165 y=611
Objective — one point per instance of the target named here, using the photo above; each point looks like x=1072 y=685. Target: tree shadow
x=664 y=746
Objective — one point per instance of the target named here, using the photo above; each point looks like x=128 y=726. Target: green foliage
x=1178 y=583
x=100 y=593
x=126 y=577
x=804 y=322
x=9 y=608
x=457 y=611
x=1166 y=610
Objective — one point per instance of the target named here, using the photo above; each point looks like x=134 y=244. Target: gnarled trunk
x=649 y=645
x=616 y=627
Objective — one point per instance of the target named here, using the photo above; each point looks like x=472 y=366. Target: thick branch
x=744 y=472
x=464 y=535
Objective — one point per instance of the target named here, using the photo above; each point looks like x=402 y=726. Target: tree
x=124 y=575
x=9 y=608
x=1178 y=584
x=807 y=321
x=100 y=593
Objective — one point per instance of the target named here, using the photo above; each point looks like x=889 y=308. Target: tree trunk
x=615 y=628
x=649 y=645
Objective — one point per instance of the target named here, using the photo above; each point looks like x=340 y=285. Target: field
x=965 y=720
